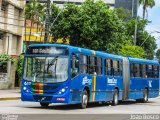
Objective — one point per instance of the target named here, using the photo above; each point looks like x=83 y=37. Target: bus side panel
x=112 y=83
x=153 y=87
x=77 y=85
x=101 y=87
x=138 y=85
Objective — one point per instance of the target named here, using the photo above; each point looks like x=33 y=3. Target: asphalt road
x=127 y=107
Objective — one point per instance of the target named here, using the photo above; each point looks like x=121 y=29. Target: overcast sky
x=154 y=17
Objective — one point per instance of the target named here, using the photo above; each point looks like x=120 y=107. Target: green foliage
x=92 y=25
x=144 y=39
x=34 y=11
x=131 y=50
x=20 y=66
x=5 y=58
x=122 y=13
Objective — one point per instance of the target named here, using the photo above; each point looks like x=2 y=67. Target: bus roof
x=137 y=60
x=98 y=53
x=83 y=50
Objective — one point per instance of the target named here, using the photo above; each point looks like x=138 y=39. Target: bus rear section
x=142 y=81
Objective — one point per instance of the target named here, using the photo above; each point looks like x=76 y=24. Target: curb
x=10 y=98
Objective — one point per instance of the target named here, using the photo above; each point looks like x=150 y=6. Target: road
x=127 y=107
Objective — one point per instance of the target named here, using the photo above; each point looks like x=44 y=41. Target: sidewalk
x=12 y=94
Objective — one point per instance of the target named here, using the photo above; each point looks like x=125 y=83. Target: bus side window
x=155 y=71
x=150 y=71
x=106 y=66
x=144 y=74
x=132 y=70
x=111 y=68
x=115 y=67
x=74 y=65
x=137 y=71
x=99 y=66
x=147 y=72
x=92 y=64
x=83 y=64
x=140 y=70
x=120 y=68
x=108 y=63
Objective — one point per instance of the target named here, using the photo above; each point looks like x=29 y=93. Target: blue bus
x=58 y=73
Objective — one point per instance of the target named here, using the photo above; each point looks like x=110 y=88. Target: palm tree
x=146 y=4
x=34 y=11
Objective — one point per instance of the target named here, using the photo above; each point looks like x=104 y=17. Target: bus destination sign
x=47 y=50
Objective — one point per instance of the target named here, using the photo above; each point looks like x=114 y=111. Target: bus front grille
x=42 y=98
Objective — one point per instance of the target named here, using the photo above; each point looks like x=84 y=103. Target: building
x=131 y=5
x=11 y=31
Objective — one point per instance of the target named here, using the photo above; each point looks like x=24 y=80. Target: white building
x=11 y=30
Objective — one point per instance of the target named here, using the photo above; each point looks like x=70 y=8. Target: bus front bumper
x=64 y=98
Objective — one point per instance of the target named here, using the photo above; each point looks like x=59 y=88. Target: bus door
x=126 y=78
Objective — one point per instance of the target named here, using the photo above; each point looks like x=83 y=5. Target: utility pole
x=47 y=22
x=135 y=31
x=136 y=22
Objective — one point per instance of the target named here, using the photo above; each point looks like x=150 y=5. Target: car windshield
x=46 y=69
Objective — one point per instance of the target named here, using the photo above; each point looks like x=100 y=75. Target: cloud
x=157 y=2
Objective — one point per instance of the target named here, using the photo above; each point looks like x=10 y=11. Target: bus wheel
x=44 y=104
x=145 y=98
x=84 y=100
x=115 y=98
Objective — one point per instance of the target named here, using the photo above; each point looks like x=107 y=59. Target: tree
x=158 y=54
x=146 y=4
x=144 y=39
x=122 y=13
x=92 y=25
x=34 y=11
x=133 y=51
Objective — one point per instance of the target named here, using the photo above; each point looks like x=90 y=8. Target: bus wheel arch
x=115 y=96
x=88 y=91
x=146 y=93
x=85 y=98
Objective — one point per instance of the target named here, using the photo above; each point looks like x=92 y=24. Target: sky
x=154 y=17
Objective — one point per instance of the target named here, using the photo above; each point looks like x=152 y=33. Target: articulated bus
x=58 y=73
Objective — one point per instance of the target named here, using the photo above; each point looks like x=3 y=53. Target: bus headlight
x=63 y=90
x=25 y=89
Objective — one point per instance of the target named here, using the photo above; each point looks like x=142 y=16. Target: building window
x=3 y=67
x=4 y=5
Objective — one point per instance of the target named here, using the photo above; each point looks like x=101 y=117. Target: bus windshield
x=46 y=69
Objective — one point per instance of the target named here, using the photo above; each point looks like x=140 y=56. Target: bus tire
x=44 y=104
x=145 y=98
x=84 y=99
x=115 y=98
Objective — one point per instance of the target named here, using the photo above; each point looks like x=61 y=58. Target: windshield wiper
x=52 y=63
